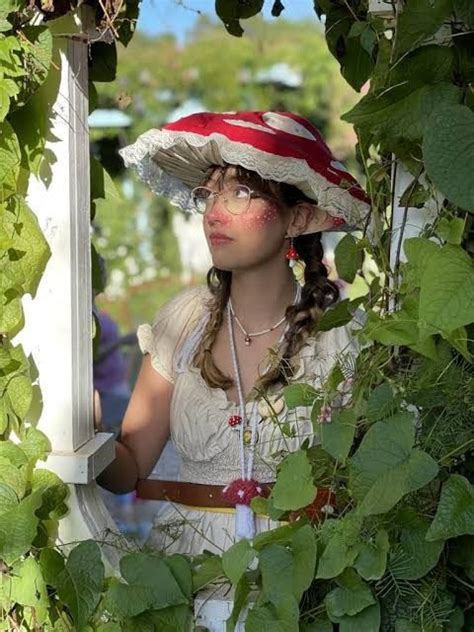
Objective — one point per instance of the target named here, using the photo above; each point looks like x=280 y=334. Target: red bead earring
x=292 y=254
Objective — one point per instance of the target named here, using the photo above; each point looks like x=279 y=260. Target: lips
x=219 y=239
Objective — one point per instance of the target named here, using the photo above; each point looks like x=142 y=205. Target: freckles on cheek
x=261 y=219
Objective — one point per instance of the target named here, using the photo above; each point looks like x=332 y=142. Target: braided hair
x=303 y=318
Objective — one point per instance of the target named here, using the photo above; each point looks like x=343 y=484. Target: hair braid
x=218 y=282
x=304 y=317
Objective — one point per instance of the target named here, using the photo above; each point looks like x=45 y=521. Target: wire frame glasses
x=236 y=199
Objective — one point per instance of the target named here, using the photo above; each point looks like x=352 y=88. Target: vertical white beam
x=58 y=330
x=58 y=321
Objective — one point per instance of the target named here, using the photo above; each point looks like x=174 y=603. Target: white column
x=58 y=330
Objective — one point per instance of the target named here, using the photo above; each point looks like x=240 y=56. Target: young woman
x=217 y=358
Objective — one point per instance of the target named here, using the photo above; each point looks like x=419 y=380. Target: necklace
x=242 y=490
x=249 y=335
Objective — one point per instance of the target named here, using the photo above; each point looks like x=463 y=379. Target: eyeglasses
x=236 y=200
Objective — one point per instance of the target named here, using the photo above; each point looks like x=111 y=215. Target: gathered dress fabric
x=207 y=445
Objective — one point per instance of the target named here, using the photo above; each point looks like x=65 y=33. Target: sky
x=179 y=16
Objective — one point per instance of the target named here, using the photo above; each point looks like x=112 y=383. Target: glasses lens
x=238 y=199
x=200 y=197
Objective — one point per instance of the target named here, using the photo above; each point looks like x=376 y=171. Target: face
x=239 y=242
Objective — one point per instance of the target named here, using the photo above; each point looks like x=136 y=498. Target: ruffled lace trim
x=187 y=158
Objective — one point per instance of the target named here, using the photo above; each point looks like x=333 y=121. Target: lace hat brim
x=278 y=146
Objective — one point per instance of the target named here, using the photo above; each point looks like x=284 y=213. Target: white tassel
x=244 y=522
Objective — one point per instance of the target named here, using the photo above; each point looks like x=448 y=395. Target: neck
x=260 y=297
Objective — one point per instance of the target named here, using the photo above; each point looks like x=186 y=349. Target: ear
x=302 y=216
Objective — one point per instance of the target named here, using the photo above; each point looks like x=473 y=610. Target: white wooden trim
x=58 y=330
x=381 y=8
x=85 y=464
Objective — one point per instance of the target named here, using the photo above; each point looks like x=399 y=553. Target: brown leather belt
x=193 y=494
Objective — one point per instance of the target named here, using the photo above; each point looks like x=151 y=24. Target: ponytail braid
x=218 y=283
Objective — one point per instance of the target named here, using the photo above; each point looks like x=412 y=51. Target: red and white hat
x=279 y=146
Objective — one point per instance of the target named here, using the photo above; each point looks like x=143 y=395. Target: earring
x=292 y=254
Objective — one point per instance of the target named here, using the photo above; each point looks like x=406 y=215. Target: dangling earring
x=292 y=254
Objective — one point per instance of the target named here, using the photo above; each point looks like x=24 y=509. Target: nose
x=216 y=212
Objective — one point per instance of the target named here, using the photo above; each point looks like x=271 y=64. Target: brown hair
x=303 y=318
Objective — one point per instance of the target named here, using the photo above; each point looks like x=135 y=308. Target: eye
x=201 y=194
x=241 y=192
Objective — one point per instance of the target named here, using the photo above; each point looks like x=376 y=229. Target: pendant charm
x=247 y=340
x=234 y=420
x=248 y=437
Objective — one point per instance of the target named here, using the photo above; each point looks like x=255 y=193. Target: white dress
x=207 y=445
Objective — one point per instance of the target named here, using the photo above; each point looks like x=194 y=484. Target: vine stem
x=446 y=456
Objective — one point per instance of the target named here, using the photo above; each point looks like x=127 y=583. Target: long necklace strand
x=249 y=335
x=253 y=421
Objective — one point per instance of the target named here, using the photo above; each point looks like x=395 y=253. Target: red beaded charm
x=292 y=254
x=241 y=491
x=234 y=420
x=338 y=221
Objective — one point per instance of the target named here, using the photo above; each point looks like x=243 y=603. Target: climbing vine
x=394 y=551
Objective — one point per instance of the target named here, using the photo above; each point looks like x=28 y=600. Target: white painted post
x=58 y=331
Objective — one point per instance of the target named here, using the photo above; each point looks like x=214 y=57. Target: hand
x=97 y=412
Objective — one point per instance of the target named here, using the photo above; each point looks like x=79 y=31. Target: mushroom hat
x=278 y=146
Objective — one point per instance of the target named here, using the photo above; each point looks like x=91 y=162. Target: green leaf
x=231 y=12
x=342 y=544
x=352 y=596
x=236 y=559
x=461 y=553
x=280 y=535
x=52 y=565
x=79 y=585
x=11 y=310
x=181 y=569
x=10 y=158
x=276 y=565
x=15 y=477
x=299 y=395
x=447 y=289
x=4 y=101
x=381 y=402
x=304 y=559
x=418 y=20
x=401 y=111
x=29 y=252
x=242 y=591
x=207 y=571
x=357 y=63
x=337 y=316
x=455 y=513
x=348 y=258
x=386 y=467
x=319 y=624
x=18 y=528
x=16 y=387
x=414 y=557
x=449 y=155
x=13 y=453
x=8 y=497
x=268 y=617
x=103 y=67
x=451 y=230
x=54 y=494
x=28 y=588
x=35 y=444
x=371 y=560
x=338 y=434
x=150 y=584
x=294 y=487
x=366 y=621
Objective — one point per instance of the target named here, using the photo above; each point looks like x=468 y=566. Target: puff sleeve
x=169 y=330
